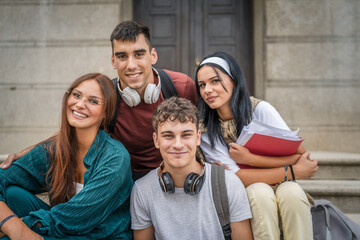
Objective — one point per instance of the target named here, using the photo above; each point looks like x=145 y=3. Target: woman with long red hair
x=85 y=171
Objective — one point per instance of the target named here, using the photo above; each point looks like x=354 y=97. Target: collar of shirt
x=94 y=149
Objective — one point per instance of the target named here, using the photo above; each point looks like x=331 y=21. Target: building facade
x=305 y=62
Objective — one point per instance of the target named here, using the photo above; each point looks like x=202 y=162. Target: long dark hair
x=62 y=146
x=240 y=103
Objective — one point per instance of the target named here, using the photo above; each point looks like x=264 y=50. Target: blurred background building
x=303 y=56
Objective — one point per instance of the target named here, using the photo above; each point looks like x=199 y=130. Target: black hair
x=240 y=103
x=129 y=31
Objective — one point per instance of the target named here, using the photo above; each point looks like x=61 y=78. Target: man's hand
x=305 y=167
x=220 y=164
x=15 y=156
x=10 y=159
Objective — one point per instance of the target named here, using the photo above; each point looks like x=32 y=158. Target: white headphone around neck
x=132 y=98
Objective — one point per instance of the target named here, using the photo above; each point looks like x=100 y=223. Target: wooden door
x=185 y=31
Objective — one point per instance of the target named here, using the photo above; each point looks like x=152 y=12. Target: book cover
x=271 y=146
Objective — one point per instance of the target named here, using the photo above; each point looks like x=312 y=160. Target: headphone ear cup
x=156 y=94
x=198 y=184
x=190 y=183
x=166 y=183
x=149 y=93
x=130 y=96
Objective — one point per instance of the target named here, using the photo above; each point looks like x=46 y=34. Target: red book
x=262 y=139
x=271 y=146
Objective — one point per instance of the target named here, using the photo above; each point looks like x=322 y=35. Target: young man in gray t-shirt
x=175 y=200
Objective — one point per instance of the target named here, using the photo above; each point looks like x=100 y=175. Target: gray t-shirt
x=183 y=216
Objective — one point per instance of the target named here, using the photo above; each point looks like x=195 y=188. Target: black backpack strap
x=167 y=85
x=219 y=192
x=118 y=97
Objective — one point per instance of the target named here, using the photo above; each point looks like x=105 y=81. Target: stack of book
x=262 y=139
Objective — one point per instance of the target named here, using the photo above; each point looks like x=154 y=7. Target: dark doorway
x=185 y=31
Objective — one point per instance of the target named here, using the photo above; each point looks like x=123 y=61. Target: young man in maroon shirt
x=138 y=84
x=133 y=58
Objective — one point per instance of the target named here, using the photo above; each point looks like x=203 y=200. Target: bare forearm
x=243 y=156
x=301 y=149
x=304 y=168
x=271 y=162
x=268 y=176
x=147 y=233
x=25 y=151
x=241 y=230
x=4 y=212
x=11 y=226
x=15 y=156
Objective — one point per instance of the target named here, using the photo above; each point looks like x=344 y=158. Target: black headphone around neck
x=192 y=185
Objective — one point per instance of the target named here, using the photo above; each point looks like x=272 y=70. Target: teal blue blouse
x=99 y=211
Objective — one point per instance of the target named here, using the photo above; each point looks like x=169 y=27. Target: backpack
x=219 y=193
x=167 y=88
x=329 y=223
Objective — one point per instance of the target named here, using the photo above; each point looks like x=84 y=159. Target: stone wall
x=307 y=62
x=307 y=56
x=44 y=46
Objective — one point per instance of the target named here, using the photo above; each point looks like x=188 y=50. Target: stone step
x=345 y=194
x=337 y=165
x=355 y=217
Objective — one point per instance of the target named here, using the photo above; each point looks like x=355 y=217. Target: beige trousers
x=282 y=208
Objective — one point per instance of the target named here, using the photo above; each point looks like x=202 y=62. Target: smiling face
x=216 y=88
x=177 y=143
x=85 y=106
x=133 y=62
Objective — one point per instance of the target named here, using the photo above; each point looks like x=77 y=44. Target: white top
x=183 y=216
x=263 y=112
x=78 y=187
